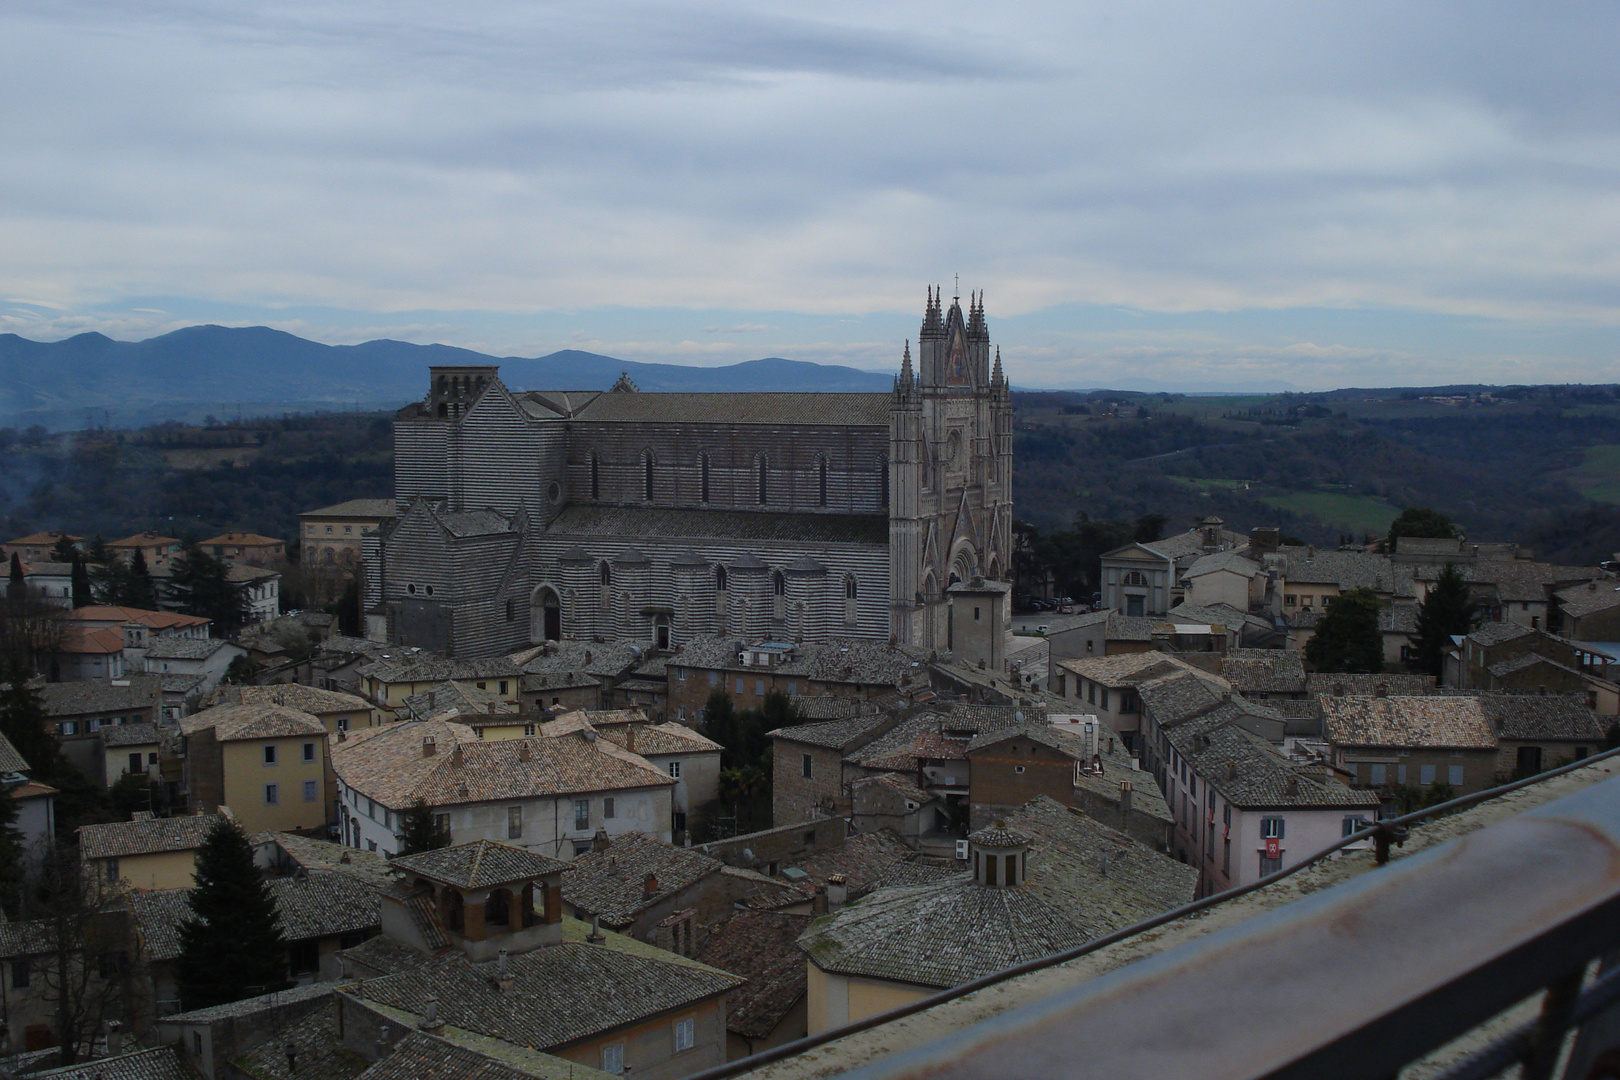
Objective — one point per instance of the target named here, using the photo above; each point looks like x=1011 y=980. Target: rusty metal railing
x=1473 y=962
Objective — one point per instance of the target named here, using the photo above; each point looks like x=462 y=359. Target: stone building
x=548 y=515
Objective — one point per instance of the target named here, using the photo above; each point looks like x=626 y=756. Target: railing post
x=1383 y=835
x=1552 y=1026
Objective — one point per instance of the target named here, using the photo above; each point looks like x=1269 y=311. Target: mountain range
x=92 y=380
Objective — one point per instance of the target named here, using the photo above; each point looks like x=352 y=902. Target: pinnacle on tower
x=995 y=372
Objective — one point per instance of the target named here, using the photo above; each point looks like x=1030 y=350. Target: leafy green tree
x=1447 y=610
x=141 y=591
x=81 y=583
x=1347 y=637
x=241 y=671
x=203 y=587
x=232 y=946
x=1419 y=521
x=422 y=830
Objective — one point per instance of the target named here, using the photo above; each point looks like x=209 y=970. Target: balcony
x=1472 y=948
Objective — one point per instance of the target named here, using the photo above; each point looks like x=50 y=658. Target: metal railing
x=1355 y=981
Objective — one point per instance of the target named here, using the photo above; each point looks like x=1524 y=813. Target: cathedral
x=532 y=515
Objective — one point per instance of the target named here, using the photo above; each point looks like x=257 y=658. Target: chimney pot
x=837 y=891
x=457 y=759
x=429 y=746
x=649 y=887
x=630 y=738
x=523 y=751
x=818 y=902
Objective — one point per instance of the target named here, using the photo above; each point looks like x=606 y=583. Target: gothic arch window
x=851 y=589
x=596 y=476
x=779 y=595
x=703 y=477
x=720 y=578
x=763 y=467
x=821 y=479
x=606 y=573
x=647 y=475
x=851 y=600
x=883 y=482
x=1136 y=577
x=720 y=592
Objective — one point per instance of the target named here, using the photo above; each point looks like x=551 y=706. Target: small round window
x=411 y=589
x=430 y=590
x=554 y=492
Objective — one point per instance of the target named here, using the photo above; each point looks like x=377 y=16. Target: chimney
x=291 y=1050
x=630 y=738
x=523 y=751
x=503 y=976
x=600 y=841
x=343 y=735
x=1293 y=785
x=818 y=903
x=1231 y=770
x=596 y=937
x=1126 y=792
x=457 y=760
x=837 y=892
x=429 y=746
x=430 y=1015
x=115 y=1038
x=649 y=887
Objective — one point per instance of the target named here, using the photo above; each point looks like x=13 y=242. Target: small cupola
x=1000 y=856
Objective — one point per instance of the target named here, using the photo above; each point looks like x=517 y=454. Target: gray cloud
x=408 y=161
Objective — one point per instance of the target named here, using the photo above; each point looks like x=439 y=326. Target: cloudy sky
x=1173 y=195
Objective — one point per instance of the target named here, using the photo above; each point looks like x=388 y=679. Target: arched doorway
x=661 y=631
x=545 y=615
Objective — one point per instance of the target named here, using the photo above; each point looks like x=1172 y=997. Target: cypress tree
x=1447 y=610
x=421 y=830
x=140 y=589
x=24 y=722
x=16 y=585
x=232 y=946
x=81 y=583
x=11 y=856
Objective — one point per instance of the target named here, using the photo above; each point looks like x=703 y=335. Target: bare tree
x=30 y=630
x=82 y=926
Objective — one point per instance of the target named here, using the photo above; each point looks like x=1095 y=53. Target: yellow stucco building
x=267 y=762
x=148 y=853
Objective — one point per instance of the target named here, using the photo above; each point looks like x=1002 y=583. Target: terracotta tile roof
x=951 y=931
x=310 y=699
x=1236 y=562
x=121 y=839
x=233 y=723
x=120 y=735
x=138 y=692
x=832 y=734
x=1249 y=772
x=1345 y=569
x=78 y=640
x=422 y=1057
x=1264 y=671
x=182 y=648
x=377 y=508
x=434 y=669
x=1320 y=684
x=314 y=906
x=1125 y=669
x=657 y=739
x=761 y=947
x=320 y=1053
x=156 y=1063
x=559 y=995
x=1581 y=600
x=383 y=955
x=1547 y=717
x=10 y=760
x=241 y=539
x=154 y=620
x=312 y=854
x=611 y=883
x=899 y=783
x=482 y=864
x=248 y=1006
x=773 y=409
x=1496 y=633
x=460 y=695
x=574 y=661
x=1437 y=722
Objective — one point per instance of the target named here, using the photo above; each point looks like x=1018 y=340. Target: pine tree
x=1447 y=610
x=203 y=587
x=11 y=856
x=16 y=585
x=1347 y=637
x=81 y=583
x=63 y=550
x=421 y=830
x=24 y=722
x=232 y=946
x=720 y=724
x=108 y=579
x=141 y=590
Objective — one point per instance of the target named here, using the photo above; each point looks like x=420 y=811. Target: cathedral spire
x=995 y=372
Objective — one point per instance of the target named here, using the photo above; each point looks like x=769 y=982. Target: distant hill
x=256 y=370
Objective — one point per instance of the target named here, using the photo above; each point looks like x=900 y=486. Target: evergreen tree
x=203 y=587
x=81 y=583
x=421 y=830
x=142 y=590
x=11 y=856
x=26 y=725
x=1447 y=610
x=108 y=577
x=1347 y=637
x=232 y=946
x=16 y=585
x=720 y=724
x=63 y=550
x=1419 y=521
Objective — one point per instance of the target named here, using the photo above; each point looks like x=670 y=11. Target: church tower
x=950 y=454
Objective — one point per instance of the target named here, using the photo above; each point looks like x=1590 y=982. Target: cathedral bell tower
x=950 y=454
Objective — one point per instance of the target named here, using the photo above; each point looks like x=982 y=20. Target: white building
x=1243 y=810
x=545 y=794
x=205 y=657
